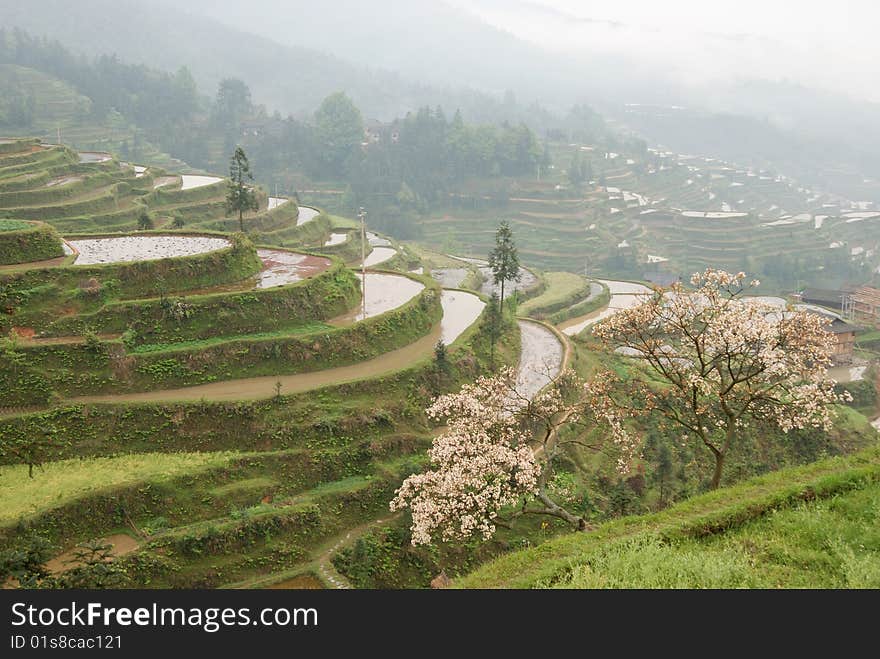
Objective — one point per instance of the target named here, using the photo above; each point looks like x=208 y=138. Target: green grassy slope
x=810 y=526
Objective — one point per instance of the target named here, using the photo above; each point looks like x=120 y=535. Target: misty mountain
x=423 y=40
x=288 y=78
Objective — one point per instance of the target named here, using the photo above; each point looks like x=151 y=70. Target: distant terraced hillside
x=658 y=211
x=60 y=111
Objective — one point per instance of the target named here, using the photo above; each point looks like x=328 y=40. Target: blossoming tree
x=496 y=455
x=719 y=360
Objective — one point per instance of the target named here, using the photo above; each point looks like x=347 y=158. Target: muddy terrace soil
x=288 y=267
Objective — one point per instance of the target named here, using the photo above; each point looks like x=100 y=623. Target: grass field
x=563 y=289
x=810 y=526
x=13 y=225
x=60 y=483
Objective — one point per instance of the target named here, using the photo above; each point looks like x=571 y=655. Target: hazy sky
x=833 y=45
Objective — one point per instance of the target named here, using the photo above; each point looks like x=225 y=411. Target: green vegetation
x=78 y=369
x=237 y=312
x=23 y=242
x=772 y=531
x=35 y=295
x=309 y=468
x=240 y=195
x=66 y=481
x=563 y=289
x=13 y=225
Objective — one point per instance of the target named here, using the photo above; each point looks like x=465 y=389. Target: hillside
x=807 y=527
x=285 y=77
x=59 y=110
x=263 y=401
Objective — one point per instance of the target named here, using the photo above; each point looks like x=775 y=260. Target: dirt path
x=121 y=544
x=264 y=387
x=324 y=560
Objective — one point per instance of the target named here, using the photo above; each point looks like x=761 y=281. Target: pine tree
x=503 y=260
x=240 y=195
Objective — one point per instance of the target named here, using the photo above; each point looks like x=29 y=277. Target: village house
x=865 y=304
x=844 y=334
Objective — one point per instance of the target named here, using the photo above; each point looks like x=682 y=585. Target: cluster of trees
x=409 y=163
x=400 y=168
x=17 y=106
x=160 y=103
x=711 y=365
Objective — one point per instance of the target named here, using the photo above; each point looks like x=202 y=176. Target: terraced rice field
x=125 y=249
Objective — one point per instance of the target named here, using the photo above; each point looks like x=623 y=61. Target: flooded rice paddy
x=379 y=255
x=94 y=156
x=384 y=292
x=526 y=281
x=450 y=277
x=336 y=238
x=306 y=214
x=377 y=241
x=275 y=202
x=540 y=359
x=125 y=249
x=844 y=374
x=624 y=295
x=63 y=180
x=191 y=182
x=281 y=267
x=460 y=311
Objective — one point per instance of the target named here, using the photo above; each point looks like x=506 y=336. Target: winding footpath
x=460 y=311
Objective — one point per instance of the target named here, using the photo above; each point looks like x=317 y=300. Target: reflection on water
x=379 y=255
x=527 y=279
x=281 y=267
x=624 y=295
x=384 y=293
x=190 y=182
x=336 y=239
x=460 y=310
x=377 y=241
x=142 y=248
x=63 y=180
x=843 y=374
x=625 y=287
x=450 y=277
x=306 y=214
x=540 y=359
x=94 y=156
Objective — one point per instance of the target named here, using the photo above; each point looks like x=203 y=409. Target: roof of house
x=828 y=297
x=838 y=325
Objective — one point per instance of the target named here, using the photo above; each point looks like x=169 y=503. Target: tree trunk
x=554 y=509
x=501 y=304
x=241 y=220
x=719 y=465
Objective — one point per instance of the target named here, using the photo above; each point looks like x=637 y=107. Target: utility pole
x=362 y=214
